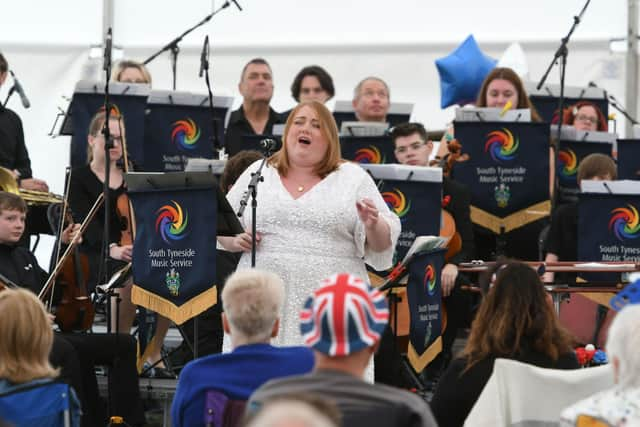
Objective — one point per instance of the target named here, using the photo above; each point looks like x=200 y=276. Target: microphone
x=204 y=65
x=237 y=5
x=18 y=87
x=268 y=144
x=106 y=62
x=592 y=84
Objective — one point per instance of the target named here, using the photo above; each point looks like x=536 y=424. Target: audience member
x=619 y=405
x=515 y=321
x=342 y=322
x=27 y=338
x=371 y=100
x=300 y=410
x=252 y=301
x=255 y=116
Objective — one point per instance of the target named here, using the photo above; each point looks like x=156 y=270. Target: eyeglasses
x=584 y=118
x=414 y=146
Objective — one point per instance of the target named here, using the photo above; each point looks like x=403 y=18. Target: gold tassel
x=513 y=221
x=419 y=361
x=166 y=308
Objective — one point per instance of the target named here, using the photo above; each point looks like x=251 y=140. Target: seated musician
x=562 y=240
x=413 y=147
x=128 y=71
x=75 y=353
x=585 y=115
x=371 y=100
x=85 y=185
x=13 y=151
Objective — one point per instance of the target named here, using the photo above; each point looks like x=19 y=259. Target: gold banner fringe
x=513 y=221
x=419 y=361
x=178 y=315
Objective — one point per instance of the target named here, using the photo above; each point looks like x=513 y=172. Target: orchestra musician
x=129 y=71
x=76 y=354
x=585 y=115
x=85 y=185
x=371 y=100
x=413 y=147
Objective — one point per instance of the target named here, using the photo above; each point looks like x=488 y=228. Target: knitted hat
x=343 y=315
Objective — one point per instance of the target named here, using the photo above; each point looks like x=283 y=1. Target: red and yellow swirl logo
x=397 y=202
x=429 y=282
x=185 y=134
x=625 y=223
x=370 y=154
x=501 y=145
x=567 y=164
x=171 y=222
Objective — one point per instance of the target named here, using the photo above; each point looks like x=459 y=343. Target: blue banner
x=368 y=149
x=175 y=133
x=608 y=230
x=425 y=308
x=507 y=172
x=629 y=159
x=174 y=253
x=568 y=158
x=84 y=106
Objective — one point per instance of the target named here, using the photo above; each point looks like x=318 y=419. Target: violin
x=124 y=207
x=75 y=312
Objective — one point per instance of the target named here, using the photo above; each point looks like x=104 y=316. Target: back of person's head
x=343 y=316
x=516 y=316
x=252 y=300
x=408 y=129
x=131 y=71
x=324 y=78
x=597 y=166
x=623 y=342
x=235 y=166
x=26 y=337
x=11 y=202
x=299 y=410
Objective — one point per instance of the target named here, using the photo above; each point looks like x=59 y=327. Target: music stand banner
x=629 y=159
x=609 y=227
x=174 y=133
x=547 y=106
x=84 y=106
x=418 y=205
x=507 y=172
x=174 y=254
x=425 y=308
x=368 y=149
x=570 y=154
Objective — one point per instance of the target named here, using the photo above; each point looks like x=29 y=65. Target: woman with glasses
x=585 y=115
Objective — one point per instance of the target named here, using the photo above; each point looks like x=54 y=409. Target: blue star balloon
x=462 y=73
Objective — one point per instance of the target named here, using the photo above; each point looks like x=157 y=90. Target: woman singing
x=317 y=214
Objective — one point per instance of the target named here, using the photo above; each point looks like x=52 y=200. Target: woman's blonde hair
x=26 y=337
x=128 y=63
x=329 y=129
x=97 y=124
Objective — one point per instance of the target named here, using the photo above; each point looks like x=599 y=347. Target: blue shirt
x=237 y=374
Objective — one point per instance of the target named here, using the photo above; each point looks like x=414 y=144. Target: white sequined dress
x=307 y=239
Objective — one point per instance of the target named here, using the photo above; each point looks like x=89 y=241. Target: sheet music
x=214 y=166
x=477 y=114
x=425 y=243
x=569 y=133
x=400 y=172
x=626 y=186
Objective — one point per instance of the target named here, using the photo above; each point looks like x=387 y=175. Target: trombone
x=8 y=183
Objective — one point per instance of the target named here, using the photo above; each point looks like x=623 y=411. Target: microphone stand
x=252 y=190
x=560 y=57
x=13 y=89
x=205 y=67
x=173 y=44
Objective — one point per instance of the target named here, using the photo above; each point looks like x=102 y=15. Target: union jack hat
x=343 y=315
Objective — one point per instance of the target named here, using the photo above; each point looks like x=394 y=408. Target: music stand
x=178 y=126
x=129 y=99
x=628 y=155
x=546 y=99
x=368 y=149
x=399 y=112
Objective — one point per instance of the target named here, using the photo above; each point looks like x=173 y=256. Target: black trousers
x=78 y=354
